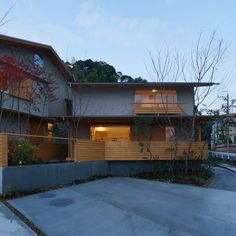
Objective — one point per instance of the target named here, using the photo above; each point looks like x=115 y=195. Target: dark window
x=38 y=60
x=69 y=107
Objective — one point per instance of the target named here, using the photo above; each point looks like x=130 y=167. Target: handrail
x=39 y=136
x=177 y=103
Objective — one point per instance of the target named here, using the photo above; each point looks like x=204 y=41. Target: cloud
x=97 y=24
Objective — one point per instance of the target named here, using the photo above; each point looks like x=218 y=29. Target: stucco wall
x=113 y=101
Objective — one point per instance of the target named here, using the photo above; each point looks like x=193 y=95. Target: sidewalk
x=11 y=225
x=228 y=166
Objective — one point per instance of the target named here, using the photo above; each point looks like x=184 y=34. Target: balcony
x=158 y=108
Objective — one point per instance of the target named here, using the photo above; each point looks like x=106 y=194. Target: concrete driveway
x=11 y=225
x=128 y=206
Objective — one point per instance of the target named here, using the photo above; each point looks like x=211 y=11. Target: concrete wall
x=28 y=178
x=114 y=101
x=31 y=177
x=62 y=91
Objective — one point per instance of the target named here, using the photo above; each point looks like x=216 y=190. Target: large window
x=110 y=133
x=156 y=98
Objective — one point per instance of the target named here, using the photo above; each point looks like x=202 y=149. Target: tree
x=4 y=19
x=12 y=77
x=205 y=60
x=25 y=86
x=98 y=71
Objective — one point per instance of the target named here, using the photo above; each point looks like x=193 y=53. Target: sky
x=123 y=33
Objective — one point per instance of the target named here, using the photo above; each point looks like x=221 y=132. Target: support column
x=199 y=132
x=3 y=149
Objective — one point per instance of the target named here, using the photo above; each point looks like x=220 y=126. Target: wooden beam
x=3 y=149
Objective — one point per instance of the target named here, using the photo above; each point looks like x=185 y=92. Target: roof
x=47 y=49
x=123 y=119
x=143 y=85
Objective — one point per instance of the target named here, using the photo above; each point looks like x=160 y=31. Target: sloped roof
x=47 y=49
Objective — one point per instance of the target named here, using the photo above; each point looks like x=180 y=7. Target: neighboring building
x=24 y=104
x=223 y=129
x=92 y=111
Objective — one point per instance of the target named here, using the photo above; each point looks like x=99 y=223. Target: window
x=50 y=128
x=38 y=60
x=160 y=98
x=69 y=107
x=110 y=133
x=170 y=133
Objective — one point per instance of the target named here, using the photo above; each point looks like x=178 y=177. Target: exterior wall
x=103 y=102
x=114 y=101
x=157 y=131
x=9 y=123
x=62 y=91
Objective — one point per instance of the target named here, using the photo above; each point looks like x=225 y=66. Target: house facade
x=101 y=112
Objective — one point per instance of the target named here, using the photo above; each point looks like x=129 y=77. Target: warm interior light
x=100 y=128
x=154 y=90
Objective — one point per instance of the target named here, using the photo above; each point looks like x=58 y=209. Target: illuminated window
x=50 y=127
x=170 y=133
x=110 y=133
x=160 y=98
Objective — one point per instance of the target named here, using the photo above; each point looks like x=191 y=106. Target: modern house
x=100 y=117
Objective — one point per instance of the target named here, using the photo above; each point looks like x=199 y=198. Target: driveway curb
x=23 y=218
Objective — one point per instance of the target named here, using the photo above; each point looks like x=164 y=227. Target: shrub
x=23 y=153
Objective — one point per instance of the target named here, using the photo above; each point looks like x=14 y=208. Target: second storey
x=131 y=99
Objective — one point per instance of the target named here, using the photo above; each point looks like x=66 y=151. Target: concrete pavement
x=11 y=225
x=128 y=206
x=223 y=179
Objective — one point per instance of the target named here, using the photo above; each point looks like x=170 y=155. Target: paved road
x=223 y=179
x=127 y=206
x=10 y=225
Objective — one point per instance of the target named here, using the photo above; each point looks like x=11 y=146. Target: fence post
x=3 y=149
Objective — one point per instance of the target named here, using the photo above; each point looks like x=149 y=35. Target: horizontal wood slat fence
x=88 y=150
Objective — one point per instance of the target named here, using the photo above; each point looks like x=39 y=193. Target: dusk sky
x=122 y=33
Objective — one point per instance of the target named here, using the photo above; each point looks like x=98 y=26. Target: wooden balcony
x=158 y=108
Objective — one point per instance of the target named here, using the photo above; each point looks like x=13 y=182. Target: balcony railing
x=158 y=108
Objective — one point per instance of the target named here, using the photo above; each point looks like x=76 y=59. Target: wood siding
x=87 y=150
x=23 y=90
x=157 y=109
x=3 y=150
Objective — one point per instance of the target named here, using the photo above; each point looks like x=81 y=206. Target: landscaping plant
x=23 y=153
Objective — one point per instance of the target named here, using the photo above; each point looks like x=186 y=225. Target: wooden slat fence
x=87 y=150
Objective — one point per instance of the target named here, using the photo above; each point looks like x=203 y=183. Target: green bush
x=23 y=153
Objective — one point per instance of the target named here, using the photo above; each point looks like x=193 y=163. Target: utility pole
x=228 y=110
x=226 y=98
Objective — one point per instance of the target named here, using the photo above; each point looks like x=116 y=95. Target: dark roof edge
x=191 y=84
